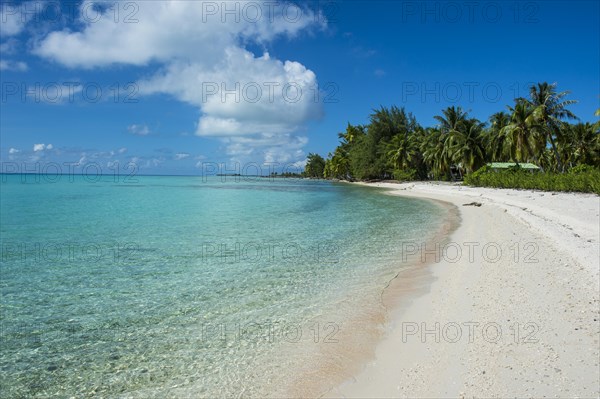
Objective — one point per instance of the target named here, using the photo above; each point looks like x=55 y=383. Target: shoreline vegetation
x=537 y=130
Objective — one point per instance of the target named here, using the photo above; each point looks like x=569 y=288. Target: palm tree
x=388 y=122
x=495 y=139
x=546 y=160
x=401 y=151
x=522 y=133
x=340 y=164
x=315 y=165
x=581 y=144
x=549 y=110
x=435 y=150
x=327 y=173
x=351 y=133
x=466 y=145
x=461 y=140
x=451 y=119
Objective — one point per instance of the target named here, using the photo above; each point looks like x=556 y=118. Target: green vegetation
x=314 y=166
x=582 y=178
x=285 y=175
x=534 y=130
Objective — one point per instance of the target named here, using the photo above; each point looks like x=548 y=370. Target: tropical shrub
x=405 y=174
x=582 y=179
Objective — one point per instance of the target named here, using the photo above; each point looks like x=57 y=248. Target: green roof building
x=506 y=165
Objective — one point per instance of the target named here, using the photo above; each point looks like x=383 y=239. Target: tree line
x=540 y=129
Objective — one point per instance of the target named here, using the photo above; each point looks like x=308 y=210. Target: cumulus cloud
x=242 y=94
x=13 y=151
x=138 y=130
x=164 y=30
x=272 y=148
x=41 y=147
x=204 y=61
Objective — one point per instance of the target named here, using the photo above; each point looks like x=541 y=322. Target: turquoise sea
x=163 y=286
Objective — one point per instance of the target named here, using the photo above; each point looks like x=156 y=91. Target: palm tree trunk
x=558 y=163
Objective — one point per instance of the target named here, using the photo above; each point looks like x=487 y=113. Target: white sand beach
x=515 y=313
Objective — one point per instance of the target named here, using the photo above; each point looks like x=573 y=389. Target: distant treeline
x=539 y=129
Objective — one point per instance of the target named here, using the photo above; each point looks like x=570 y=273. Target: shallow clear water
x=180 y=286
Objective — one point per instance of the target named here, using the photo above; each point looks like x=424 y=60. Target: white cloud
x=42 y=147
x=201 y=49
x=122 y=150
x=146 y=162
x=171 y=29
x=243 y=94
x=9 y=46
x=181 y=155
x=14 y=16
x=298 y=166
x=138 y=130
x=13 y=151
x=271 y=148
x=9 y=65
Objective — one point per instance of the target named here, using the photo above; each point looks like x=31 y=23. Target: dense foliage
x=582 y=178
x=315 y=164
x=536 y=129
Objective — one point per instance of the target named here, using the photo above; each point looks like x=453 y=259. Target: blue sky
x=143 y=82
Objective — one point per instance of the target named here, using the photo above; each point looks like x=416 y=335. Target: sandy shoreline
x=514 y=307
